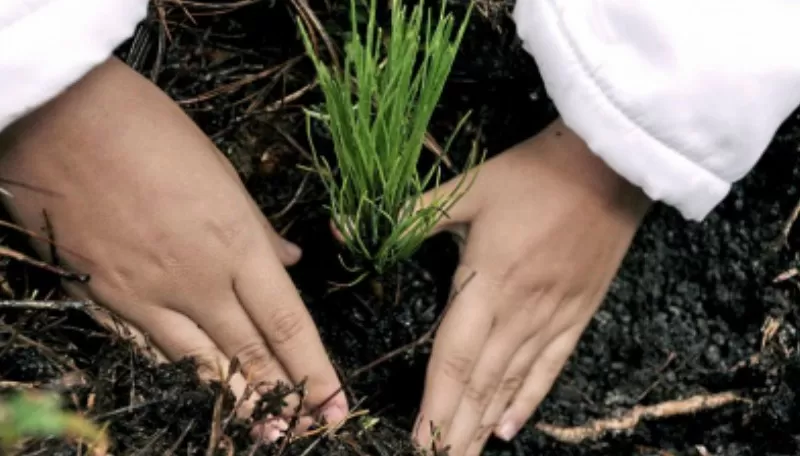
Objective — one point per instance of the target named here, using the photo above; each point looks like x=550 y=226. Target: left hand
x=546 y=226
x=144 y=202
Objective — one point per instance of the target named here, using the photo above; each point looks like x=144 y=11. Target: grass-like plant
x=377 y=107
x=34 y=414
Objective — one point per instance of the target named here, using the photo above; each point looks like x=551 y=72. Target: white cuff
x=47 y=45
x=681 y=98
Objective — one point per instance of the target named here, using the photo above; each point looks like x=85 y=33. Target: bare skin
x=140 y=199
x=546 y=225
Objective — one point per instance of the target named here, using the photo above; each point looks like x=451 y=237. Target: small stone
x=713 y=354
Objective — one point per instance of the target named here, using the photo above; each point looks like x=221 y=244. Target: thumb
x=288 y=252
x=458 y=201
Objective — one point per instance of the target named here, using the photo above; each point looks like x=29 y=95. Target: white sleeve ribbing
x=680 y=97
x=47 y=45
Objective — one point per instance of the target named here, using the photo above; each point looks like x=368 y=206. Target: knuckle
x=457 y=367
x=118 y=280
x=551 y=367
x=478 y=394
x=511 y=384
x=482 y=433
x=231 y=231
x=257 y=362
x=208 y=366
x=287 y=325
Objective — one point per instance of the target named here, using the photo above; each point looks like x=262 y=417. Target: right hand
x=546 y=225
x=142 y=201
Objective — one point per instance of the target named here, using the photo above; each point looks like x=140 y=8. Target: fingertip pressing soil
x=694 y=310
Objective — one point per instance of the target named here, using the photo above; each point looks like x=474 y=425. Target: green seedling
x=40 y=415
x=377 y=108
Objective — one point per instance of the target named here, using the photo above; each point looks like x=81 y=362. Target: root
x=594 y=430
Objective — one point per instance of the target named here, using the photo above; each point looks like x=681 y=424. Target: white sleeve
x=47 y=45
x=680 y=97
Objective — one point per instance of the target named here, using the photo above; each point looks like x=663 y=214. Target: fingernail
x=334 y=414
x=273 y=434
x=336 y=233
x=292 y=249
x=273 y=429
x=507 y=429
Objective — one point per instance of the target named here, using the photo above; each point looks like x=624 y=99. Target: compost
x=697 y=310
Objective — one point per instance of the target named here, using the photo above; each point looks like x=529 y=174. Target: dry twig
x=235 y=85
x=313 y=24
x=63 y=273
x=30 y=304
x=783 y=238
x=433 y=146
x=209 y=8
x=628 y=421
x=289 y=98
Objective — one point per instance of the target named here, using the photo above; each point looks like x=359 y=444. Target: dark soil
x=685 y=316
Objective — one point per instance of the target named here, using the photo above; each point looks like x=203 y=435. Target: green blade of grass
x=378 y=109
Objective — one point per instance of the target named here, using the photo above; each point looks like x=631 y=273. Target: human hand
x=546 y=225
x=142 y=201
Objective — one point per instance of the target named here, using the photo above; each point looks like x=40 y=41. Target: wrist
x=77 y=111
x=570 y=157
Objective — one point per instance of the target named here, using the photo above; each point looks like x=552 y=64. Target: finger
x=229 y=326
x=468 y=200
x=544 y=371
x=508 y=386
x=266 y=291
x=494 y=361
x=337 y=233
x=177 y=336
x=174 y=336
x=122 y=328
x=288 y=252
x=180 y=338
x=458 y=344
x=466 y=187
